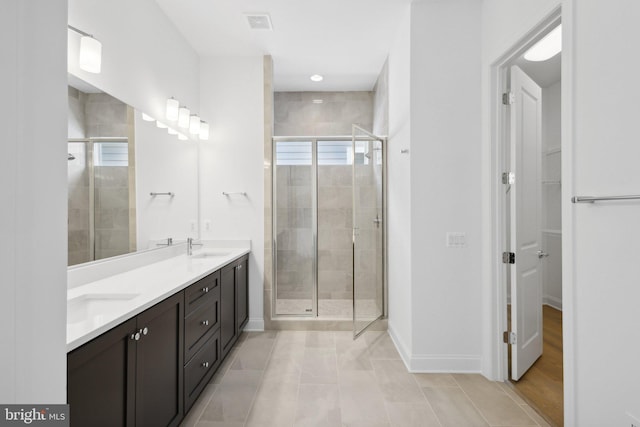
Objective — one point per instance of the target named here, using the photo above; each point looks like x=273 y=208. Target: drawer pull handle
x=205 y=364
x=205 y=290
x=205 y=323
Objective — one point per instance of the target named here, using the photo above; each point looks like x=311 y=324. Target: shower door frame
x=314 y=225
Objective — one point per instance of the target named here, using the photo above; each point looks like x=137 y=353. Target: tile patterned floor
x=304 y=379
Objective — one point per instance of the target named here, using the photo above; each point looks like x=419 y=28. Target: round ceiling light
x=316 y=78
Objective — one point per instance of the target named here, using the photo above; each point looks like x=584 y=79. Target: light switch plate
x=456 y=239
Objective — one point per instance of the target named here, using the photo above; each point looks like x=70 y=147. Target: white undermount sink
x=86 y=306
x=208 y=253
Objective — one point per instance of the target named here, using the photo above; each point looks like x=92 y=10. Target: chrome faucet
x=190 y=245
x=169 y=242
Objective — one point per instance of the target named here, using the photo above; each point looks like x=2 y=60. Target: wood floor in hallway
x=542 y=385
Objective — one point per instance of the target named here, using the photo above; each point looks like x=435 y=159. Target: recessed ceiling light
x=259 y=21
x=316 y=78
x=546 y=48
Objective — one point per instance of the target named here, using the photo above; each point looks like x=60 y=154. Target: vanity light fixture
x=183 y=117
x=161 y=125
x=182 y=137
x=194 y=124
x=90 y=57
x=147 y=118
x=204 y=131
x=172 y=131
x=548 y=47
x=316 y=78
x=173 y=107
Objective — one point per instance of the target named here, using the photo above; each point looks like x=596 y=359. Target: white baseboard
x=552 y=302
x=254 y=325
x=433 y=363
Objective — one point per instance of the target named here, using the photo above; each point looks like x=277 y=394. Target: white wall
x=33 y=169
x=145 y=60
x=445 y=172
x=164 y=164
x=232 y=161
x=605 y=239
x=399 y=191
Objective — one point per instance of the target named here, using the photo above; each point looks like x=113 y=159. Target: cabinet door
x=159 y=366
x=101 y=379
x=242 y=289
x=228 y=321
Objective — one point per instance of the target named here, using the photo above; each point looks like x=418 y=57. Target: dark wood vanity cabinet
x=150 y=370
x=234 y=294
x=131 y=375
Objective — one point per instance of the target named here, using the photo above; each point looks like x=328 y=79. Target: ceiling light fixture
x=183 y=117
x=147 y=118
x=548 y=47
x=172 y=109
x=204 y=131
x=194 y=124
x=316 y=78
x=90 y=57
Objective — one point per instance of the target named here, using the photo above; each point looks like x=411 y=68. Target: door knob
x=542 y=254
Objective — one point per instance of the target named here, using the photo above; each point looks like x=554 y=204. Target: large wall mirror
x=131 y=185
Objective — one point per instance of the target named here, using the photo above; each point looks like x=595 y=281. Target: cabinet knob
x=205 y=323
x=240 y=267
x=136 y=336
x=205 y=364
x=144 y=331
x=205 y=290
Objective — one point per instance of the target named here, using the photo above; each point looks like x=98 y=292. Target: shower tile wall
x=296 y=113
x=335 y=250
x=78 y=206
x=111 y=211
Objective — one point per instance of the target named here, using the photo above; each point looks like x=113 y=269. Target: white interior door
x=526 y=274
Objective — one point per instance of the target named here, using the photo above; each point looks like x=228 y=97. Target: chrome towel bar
x=170 y=194
x=591 y=199
x=241 y=193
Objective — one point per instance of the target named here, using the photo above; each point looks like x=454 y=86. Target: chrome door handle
x=205 y=323
x=377 y=221
x=542 y=254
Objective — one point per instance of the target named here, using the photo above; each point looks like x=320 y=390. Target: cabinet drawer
x=200 y=369
x=196 y=326
x=201 y=292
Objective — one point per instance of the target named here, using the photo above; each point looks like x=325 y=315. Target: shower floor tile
x=329 y=308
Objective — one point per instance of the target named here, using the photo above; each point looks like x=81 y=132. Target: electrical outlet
x=633 y=421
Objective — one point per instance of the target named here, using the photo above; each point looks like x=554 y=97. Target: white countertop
x=94 y=308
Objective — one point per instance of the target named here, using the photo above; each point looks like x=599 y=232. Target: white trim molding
x=254 y=325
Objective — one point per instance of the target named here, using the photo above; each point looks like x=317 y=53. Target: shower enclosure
x=101 y=198
x=329 y=230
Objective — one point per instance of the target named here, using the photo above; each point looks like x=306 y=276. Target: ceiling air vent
x=259 y=21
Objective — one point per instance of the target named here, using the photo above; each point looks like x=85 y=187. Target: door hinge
x=508 y=98
x=508 y=258
x=509 y=337
x=508 y=178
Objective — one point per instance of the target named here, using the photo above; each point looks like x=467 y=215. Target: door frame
x=498 y=133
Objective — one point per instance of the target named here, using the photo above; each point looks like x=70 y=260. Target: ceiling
x=346 y=41
x=545 y=73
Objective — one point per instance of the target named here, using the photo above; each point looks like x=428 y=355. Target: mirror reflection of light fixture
x=173 y=107
x=194 y=124
x=172 y=131
x=183 y=117
x=182 y=137
x=204 y=131
x=147 y=118
x=90 y=57
x=548 y=47
x=161 y=125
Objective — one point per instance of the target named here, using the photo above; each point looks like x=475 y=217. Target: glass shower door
x=368 y=230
